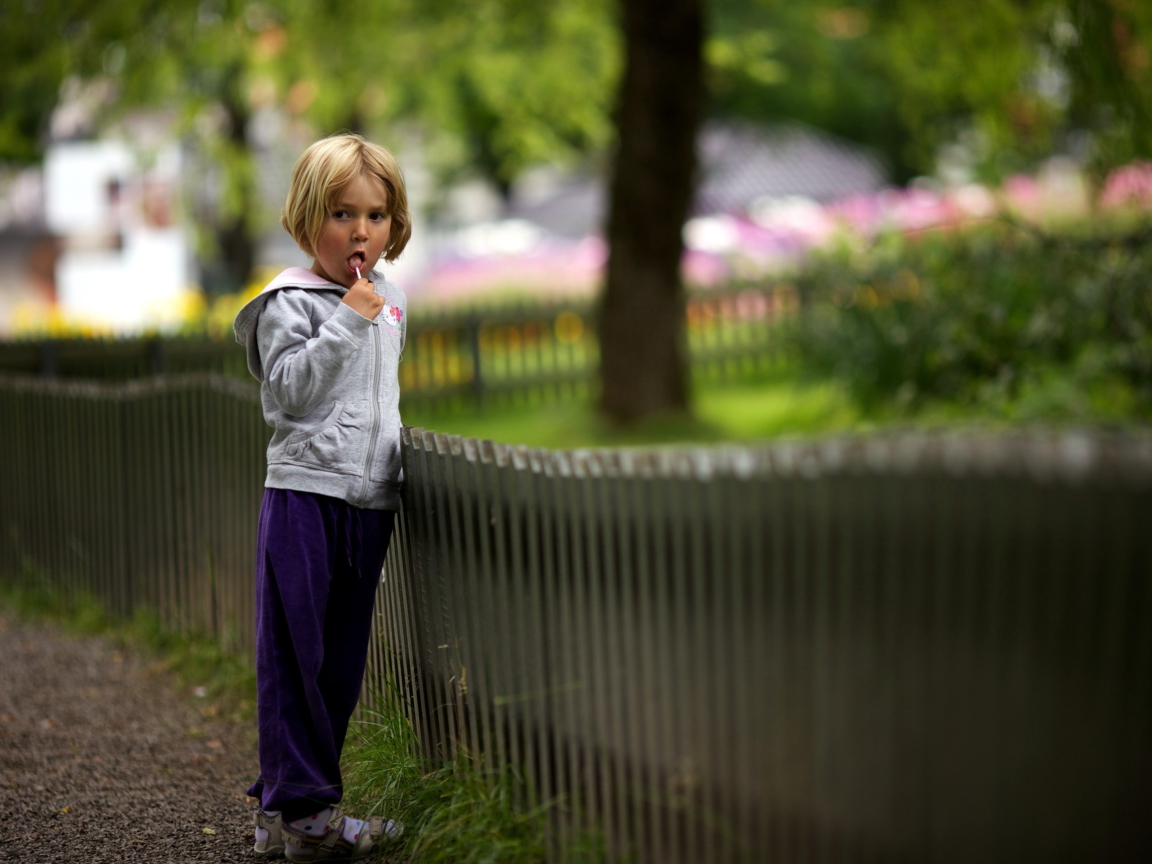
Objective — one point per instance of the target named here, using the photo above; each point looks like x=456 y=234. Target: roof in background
x=743 y=163
x=740 y=163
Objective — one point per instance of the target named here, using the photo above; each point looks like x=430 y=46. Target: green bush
x=1046 y=323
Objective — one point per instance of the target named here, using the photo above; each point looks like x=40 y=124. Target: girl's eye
x=377 y=217
x=340 y=214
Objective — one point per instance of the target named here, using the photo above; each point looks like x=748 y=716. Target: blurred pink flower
x=769 y=240
x=1131 y=184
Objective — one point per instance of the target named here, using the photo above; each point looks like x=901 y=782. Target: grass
x=459 y=813
x=775 y=404
x=785 y=403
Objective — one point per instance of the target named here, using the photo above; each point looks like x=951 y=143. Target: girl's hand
x=363 y=298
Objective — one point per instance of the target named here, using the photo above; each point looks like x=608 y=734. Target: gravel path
x=103 y=761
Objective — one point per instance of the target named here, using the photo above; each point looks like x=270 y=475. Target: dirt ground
x=104 y=761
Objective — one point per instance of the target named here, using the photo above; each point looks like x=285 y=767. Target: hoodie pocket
x=386 y=464
x=336 y=444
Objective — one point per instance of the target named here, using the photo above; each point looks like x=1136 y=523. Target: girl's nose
x=360 y=229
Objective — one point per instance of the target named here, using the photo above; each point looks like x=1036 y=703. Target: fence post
x=156 y=354
x=472 y=328
x=49 y=358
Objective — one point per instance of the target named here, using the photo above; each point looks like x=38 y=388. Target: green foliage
x=42 y=43
x=1020 y=80
x=520 y=83
x=499 y=85
x=457 y=813
x=511 y=83
x=823 y=65
x=37 y=42
x=1034 y=324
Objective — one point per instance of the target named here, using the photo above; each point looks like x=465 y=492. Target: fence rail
x=542 y=351
x=901 y=648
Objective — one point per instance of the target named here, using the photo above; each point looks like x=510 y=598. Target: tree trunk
x=643 y=364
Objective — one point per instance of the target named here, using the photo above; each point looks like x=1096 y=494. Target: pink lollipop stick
x=357 y=271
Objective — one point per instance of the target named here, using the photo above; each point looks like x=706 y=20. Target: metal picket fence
x=887 y=648
x=142 y=494
x=910 y=648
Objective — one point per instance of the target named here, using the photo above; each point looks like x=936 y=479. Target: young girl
x=324 y=344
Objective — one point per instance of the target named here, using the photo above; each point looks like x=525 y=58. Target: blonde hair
x=322 y=172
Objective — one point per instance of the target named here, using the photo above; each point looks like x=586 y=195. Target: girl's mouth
x=356 y=261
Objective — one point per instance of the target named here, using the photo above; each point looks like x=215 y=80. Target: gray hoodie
x=328 y=383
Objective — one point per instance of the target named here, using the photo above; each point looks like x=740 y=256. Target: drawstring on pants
x=353 y=536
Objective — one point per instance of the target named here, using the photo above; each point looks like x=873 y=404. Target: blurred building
x=743 y=167
x=124 y=259
x=93 y=239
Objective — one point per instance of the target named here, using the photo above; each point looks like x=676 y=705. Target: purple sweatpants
x=318 y=562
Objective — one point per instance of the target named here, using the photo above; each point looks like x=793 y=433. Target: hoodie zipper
x=376 y=349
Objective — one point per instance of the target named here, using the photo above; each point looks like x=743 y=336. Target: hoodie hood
x=244 y=327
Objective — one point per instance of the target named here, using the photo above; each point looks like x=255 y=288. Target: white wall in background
x=125 y=264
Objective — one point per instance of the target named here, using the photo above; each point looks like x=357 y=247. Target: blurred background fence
x=498 y=353
x=889 y=648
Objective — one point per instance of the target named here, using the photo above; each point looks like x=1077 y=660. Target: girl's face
x=354 y=232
